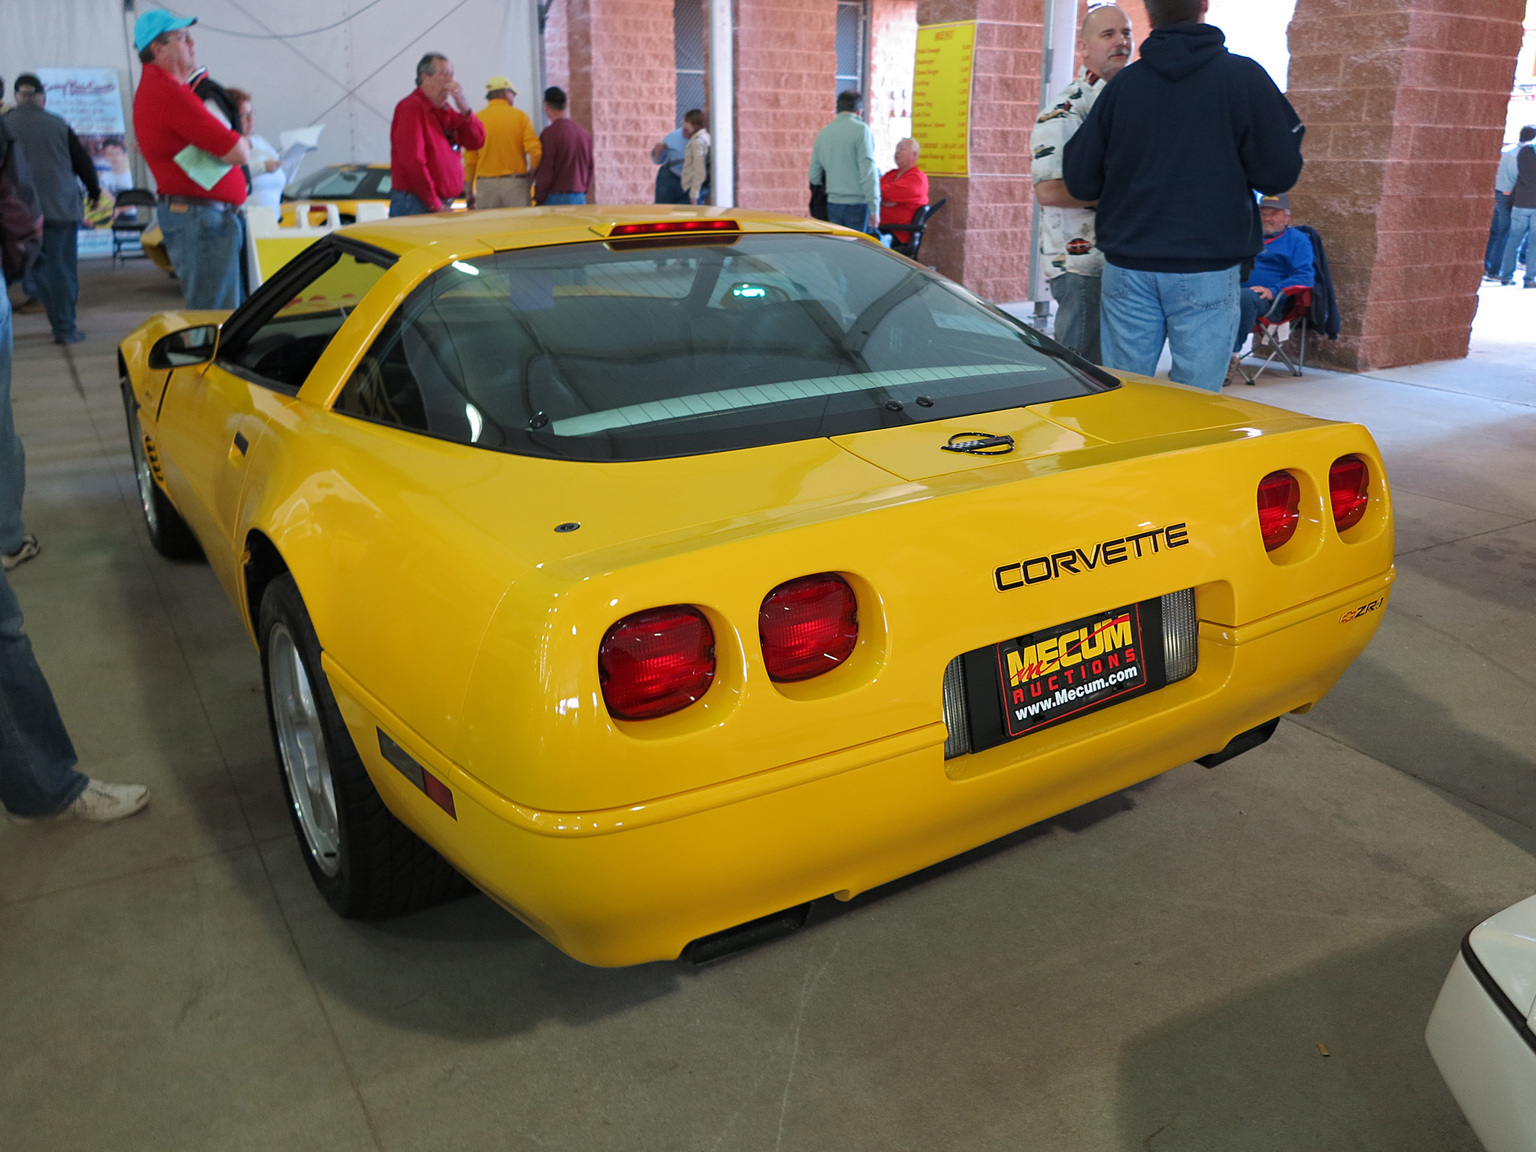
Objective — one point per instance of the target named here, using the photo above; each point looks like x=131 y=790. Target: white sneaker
x=100 y=803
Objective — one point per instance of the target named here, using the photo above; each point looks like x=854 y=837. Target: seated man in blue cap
x=1285 y=261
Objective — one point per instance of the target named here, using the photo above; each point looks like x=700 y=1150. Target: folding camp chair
x=1275 y=330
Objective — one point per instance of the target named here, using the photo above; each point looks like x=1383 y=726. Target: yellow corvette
x=665 y=570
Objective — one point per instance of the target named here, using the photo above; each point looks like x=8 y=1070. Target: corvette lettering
x=1078 y=561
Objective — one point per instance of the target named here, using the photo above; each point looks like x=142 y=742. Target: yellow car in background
x=663 y=570
x=345 y=185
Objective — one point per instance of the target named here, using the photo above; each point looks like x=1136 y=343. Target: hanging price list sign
x=941 y=97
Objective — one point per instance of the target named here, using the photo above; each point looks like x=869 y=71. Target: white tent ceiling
x=341 y=63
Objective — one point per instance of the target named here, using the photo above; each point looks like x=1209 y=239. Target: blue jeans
x=855 y=216
x=206 y=244
x=556 y=198
x=1077 y=313
x=57 y=276
x=402 y=203
x=13 y=460
x=1498 y=232
x=37 y=761
x=1522 y=228
x=1195 y=312
x=1253 y=306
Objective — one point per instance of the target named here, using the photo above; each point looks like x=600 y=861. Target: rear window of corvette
x=615 y=351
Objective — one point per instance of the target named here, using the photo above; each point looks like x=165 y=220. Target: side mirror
x=189 y=346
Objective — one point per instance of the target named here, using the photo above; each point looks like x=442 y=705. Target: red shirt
x=167 y=116
x=901 y=195
x=422 y=159
x=567 y=162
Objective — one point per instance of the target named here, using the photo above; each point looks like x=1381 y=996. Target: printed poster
x=941 y=97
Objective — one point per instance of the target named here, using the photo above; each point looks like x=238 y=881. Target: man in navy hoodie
x=1173 y=151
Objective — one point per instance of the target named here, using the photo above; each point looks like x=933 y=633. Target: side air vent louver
x=1181 y=635
x=959 y=742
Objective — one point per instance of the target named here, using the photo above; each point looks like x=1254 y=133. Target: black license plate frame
x=1053 y=694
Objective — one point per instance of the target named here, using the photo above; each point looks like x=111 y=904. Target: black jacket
x=1324 y=316
x=1175 y=147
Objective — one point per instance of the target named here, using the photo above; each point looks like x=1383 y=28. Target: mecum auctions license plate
x=1072 y=669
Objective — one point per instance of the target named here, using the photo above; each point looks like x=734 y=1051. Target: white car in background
x=1482 y=1032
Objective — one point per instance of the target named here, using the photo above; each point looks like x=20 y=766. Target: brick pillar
x=1403 y=132
x=623 y=88
x=888 y=103
x=557 y=59
x=786 y=66
x=981 y=237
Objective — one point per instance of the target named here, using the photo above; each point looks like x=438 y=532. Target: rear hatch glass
x=632 y=351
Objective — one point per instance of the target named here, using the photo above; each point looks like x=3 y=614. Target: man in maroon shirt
x=426 y=170
x=903 y=190
x=185 y=147
x=565 y=171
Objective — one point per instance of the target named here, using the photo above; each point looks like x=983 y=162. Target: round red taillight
x=808 y=626
x=1349 y=488
x=656 y=662
x=1279 y=509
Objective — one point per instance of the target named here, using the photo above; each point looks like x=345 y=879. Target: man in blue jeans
x=1172 y=152
x=1522 y=216
x=17 y=545
x=196 y=162
x=1503 y=195
x=843 y=158
x=59 y=164
x=38 y=779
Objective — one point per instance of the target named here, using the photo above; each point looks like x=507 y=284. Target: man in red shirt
x=903 y=190
x=196 y=164
x=426 y=170
x=565 y=170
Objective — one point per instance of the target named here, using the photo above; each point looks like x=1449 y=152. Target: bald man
x=1073 y=264
x=903 y=192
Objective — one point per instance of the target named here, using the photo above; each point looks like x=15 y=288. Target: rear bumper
x=636 y=884
x=1488 y=1065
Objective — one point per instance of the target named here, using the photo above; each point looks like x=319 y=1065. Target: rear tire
x=366 y=864
x=167 y=531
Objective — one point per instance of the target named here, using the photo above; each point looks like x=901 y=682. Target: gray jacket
x=57 y=158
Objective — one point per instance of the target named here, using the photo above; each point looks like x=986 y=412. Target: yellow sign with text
x=941 y=97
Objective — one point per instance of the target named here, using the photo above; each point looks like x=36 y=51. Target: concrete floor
x=1156 y=971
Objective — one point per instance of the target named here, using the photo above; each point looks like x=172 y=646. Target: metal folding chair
x=1286 y=319
x=128 y=230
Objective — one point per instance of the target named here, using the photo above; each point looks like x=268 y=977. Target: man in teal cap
x=196 y=163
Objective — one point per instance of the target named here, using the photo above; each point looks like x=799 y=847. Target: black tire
x=167 y=531
x=366 y=864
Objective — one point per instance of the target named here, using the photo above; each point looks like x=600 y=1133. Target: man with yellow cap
x=497 y=174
